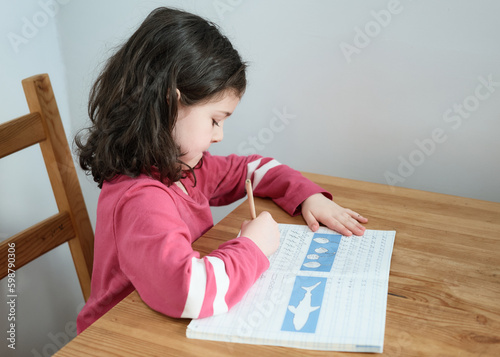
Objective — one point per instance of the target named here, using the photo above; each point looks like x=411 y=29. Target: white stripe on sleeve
x=251 y=166
x=222 y=282
x=261 y=172
x=197 y=286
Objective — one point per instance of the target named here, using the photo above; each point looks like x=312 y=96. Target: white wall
x=48 y=292
x=370 y=115
x=406 y=107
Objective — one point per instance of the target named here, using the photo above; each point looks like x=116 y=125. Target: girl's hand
x=317 y=208
x=263 y=231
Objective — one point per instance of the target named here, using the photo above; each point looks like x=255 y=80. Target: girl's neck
x=182 y=187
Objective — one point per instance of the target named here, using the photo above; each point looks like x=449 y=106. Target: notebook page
x=322 y=291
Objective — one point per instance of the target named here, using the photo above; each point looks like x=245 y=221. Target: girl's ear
x=178 y=95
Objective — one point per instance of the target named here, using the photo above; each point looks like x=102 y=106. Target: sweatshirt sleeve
x=284 y=185
x=155 y=253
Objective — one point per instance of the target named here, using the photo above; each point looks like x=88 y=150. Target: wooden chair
x=43 y=126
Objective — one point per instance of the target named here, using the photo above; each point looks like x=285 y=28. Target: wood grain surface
x=444 y=284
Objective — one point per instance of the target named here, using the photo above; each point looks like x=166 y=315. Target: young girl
x=159 y=103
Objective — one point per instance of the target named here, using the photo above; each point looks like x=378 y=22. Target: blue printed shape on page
x=321 y=253
x=305 y=304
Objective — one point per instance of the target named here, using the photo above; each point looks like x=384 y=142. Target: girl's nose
x=218 y=134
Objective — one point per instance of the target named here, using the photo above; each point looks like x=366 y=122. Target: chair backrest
x=72 y=224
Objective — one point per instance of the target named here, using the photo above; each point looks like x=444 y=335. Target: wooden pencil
x=251 y=203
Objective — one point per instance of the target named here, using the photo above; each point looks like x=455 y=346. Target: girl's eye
x=214 y=122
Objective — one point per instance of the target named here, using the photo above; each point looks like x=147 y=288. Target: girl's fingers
x=358 y=229
x=337 y=226
x=347 y=225
x=311 y=221
x=357 y=216
x=345 y=222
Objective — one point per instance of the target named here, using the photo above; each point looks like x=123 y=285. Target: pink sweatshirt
x=145 y=229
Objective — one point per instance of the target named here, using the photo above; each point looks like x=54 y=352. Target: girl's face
x=198 y=126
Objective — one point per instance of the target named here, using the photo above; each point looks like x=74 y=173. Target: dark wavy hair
x=133 y=104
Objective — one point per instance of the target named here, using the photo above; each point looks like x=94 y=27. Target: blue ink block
x=321 y=253
x=305 y=304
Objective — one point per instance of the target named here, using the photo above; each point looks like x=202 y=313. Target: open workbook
x=322 y=291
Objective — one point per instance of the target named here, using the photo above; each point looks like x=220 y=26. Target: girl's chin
x=192 y=162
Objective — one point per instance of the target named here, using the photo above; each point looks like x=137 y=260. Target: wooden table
x=444 y=285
